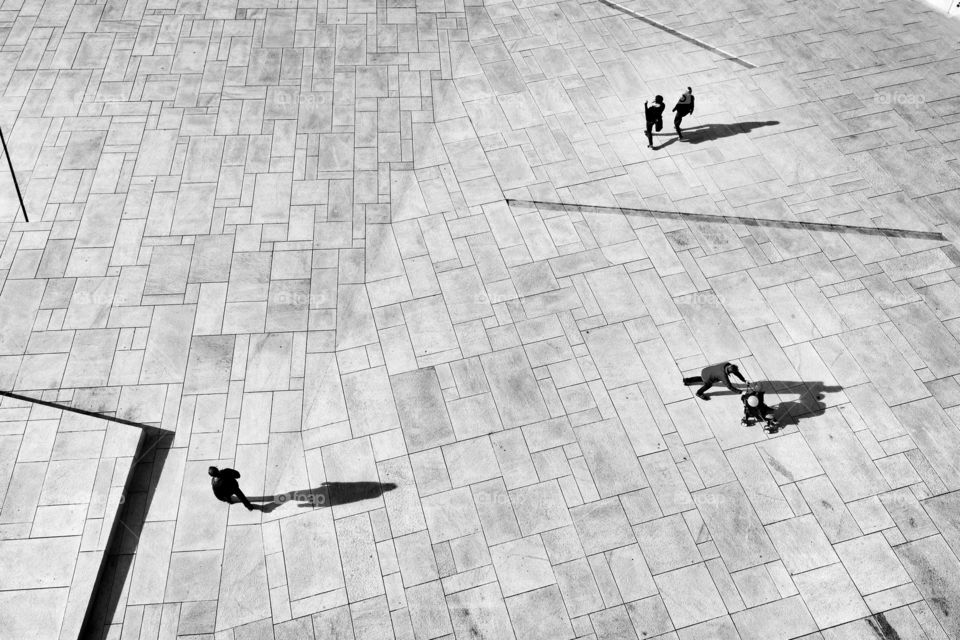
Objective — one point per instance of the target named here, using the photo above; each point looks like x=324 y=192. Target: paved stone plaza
x=314 y=241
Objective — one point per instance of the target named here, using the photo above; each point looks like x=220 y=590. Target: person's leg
x=243 y=499
x=650 y=134
x=692 y=380
x=703 y=389
x=676 y=124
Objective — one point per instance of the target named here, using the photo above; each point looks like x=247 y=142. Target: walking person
x=224 y=483
x=654 y=117
x=683 y=108
x=715 y=374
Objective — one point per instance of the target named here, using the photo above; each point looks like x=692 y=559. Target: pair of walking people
x=654 y=114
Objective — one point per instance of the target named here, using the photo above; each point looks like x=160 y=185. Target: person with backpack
x=224 y=483
x=683 y=108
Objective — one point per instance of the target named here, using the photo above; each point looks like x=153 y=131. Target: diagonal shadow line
x=104 y=603
x=679 y=34
x=66 y=407
x=752 y=222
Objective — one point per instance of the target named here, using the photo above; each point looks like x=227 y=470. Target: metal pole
x=14 y=175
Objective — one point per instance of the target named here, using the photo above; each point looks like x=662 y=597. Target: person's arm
x=737 y=373
x=691 y=104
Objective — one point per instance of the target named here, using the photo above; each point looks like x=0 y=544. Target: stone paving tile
x=279 y=233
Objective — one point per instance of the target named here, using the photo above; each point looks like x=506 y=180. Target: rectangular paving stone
x=616 y=358
x=423 y=415
x=735 y=528
x=578 y=588
x=778 y=620
x=871 y=563
x=667 y=483
x=370 y=401
x=935 y=434
x=801 y=544
x=429 y=325
x=712 y=327
x=610 y=457
x=323 y=401
x=842 y=456
x=480 y=610
x=168 y=345
x=540 y=615
x=831 y=596
x=19 y=302
x=884 y=365
x=602 y=525
x=244 y=596
x=931 y=340
x=616 y=295
x=514 y=387
x=759 y=485
x=309 y=542
x=450 y=514
x=690 y=595
x=539 y=507
x=637 y=421
x=361 y=570
x=38 y=563
x=522 y=565
x=355 y=326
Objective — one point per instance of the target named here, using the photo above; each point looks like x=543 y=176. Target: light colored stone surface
x=62 y=499
x=279 y=232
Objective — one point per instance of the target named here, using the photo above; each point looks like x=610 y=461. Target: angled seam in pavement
x=679 y=34
x=755 y=222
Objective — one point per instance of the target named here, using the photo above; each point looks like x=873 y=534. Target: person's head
x=213 y=471
x=690 y=90
x=731 y=368
x=658 y=100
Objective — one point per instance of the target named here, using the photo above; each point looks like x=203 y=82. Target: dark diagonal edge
x=754 y=222
x=679 y=34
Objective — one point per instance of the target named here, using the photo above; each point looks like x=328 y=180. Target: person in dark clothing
x=683 y=108
x=654 y=117
x=224 y=482
x=714 y=374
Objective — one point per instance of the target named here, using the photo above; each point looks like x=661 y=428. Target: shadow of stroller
x=328 y=494
x=808 y=404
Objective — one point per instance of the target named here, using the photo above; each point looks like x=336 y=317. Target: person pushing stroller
x=715 y=374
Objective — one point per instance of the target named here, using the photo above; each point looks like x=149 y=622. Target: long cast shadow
x=745 y=220
x=121 y=550
x=809 y=402
x=707 y=132
x=329 y=494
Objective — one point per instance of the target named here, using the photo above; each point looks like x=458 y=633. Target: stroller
x=755 y=409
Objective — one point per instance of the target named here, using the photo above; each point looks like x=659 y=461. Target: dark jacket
x=684 y=105
x=720 y=373
x=225 y=483
x=654 y=113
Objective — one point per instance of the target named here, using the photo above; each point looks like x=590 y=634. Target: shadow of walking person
x=707 y=132
x=328 y=494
